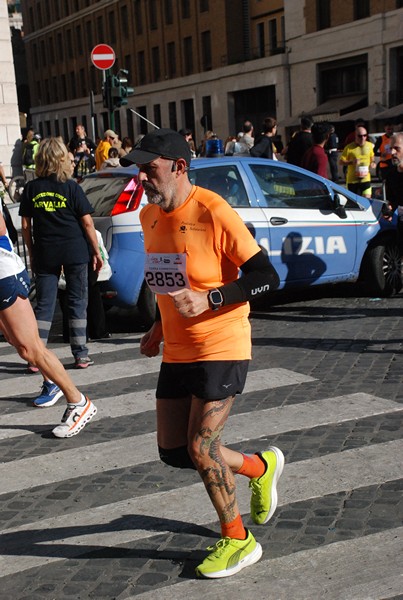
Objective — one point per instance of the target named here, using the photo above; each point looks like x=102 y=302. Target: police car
x=313 y=230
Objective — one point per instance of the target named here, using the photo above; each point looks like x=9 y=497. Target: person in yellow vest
x=359 y=158
x=101 y=153
x=382 y=149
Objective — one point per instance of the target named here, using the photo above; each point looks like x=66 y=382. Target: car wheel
x=383 y=268
x=147 y=305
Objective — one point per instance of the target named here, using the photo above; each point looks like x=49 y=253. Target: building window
x=60 y=47
x=124 y=21
x=39 y=15
x=88 y=34
x=273 y=35
x=157 y=114
x=155 y=58
x=396 y=76
x=138 y=17
x=69 y=41
x=188 y=55
x=100 y=28
x=203 y=5
x=153 y=14
x=343 y=77
x=322 y=14
x=169 y=16
x=51 y=51
x=173 y=122
x=112 y=27
x=31 y=19
x=206 y=50
x=185 y=9
x=142 y=110
x=207 y=113
x=73 y=85
x=55 y=92
x=128 y=64
x=261 y=42
x=35 y=53
x=79 y=40
x=361 y=9
x=282 y=25
x=64 y=86
x=43 y=53
x=141 y=66
x=171 y=57
x=83 y=83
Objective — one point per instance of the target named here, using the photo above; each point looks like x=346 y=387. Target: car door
x=308 y=241
x=228 y=179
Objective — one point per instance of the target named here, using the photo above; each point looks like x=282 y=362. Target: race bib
x=361 y=172
x=166 y=273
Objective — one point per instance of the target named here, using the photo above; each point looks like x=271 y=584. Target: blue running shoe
x=49 y=395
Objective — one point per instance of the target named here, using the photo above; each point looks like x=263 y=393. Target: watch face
x=216 y=297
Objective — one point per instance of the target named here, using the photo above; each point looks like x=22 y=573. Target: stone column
x=9 y=116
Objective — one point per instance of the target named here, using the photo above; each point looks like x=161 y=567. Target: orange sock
x=234 y=529
x=252 y=466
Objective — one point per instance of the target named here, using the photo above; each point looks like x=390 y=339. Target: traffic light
x=106 y=93
x=119 y=89
x=115 y=90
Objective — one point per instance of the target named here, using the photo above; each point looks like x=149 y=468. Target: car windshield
x=103 y=192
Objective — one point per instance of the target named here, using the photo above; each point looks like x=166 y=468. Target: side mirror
x=339 y=206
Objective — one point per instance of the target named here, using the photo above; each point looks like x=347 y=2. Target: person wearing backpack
x=31 y=146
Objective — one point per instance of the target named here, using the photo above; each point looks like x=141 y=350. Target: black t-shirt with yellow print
x=56 y=209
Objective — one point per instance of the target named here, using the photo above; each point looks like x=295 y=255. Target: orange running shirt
x=214 y=241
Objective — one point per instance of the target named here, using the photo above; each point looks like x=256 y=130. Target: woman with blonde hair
x=58 y=230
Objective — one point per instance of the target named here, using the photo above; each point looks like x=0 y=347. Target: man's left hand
x=189 y=303
x=97 y=262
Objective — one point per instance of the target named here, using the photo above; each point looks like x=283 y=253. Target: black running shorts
x=208 y=379
x=13 y=286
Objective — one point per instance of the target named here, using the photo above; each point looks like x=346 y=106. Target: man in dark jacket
x=263 y=147
x=394 y=187
x=300 y=142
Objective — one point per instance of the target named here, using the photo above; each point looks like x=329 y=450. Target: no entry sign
x=103 y=57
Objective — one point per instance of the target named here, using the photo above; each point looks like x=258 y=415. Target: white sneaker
x=74 y=419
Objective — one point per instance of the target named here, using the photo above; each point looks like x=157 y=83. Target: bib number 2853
x=160 y=280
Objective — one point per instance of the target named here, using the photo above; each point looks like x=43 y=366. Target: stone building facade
x=205 y=63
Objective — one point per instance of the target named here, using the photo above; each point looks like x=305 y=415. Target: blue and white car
x=314 y=231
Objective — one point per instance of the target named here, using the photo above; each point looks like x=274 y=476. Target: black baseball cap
x=161 y=142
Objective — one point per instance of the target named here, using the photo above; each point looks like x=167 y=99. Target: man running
x=195 y=245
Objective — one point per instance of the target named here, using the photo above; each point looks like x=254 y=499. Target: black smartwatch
x=215 y=299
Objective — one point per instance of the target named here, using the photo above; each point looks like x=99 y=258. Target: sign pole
x=103 y=57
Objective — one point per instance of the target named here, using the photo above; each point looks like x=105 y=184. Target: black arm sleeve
x=258 y=277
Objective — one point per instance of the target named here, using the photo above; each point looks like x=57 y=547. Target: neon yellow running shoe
x=229 y=556
x=263 y=501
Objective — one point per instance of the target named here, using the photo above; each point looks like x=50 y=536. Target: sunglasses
x=362 y=134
